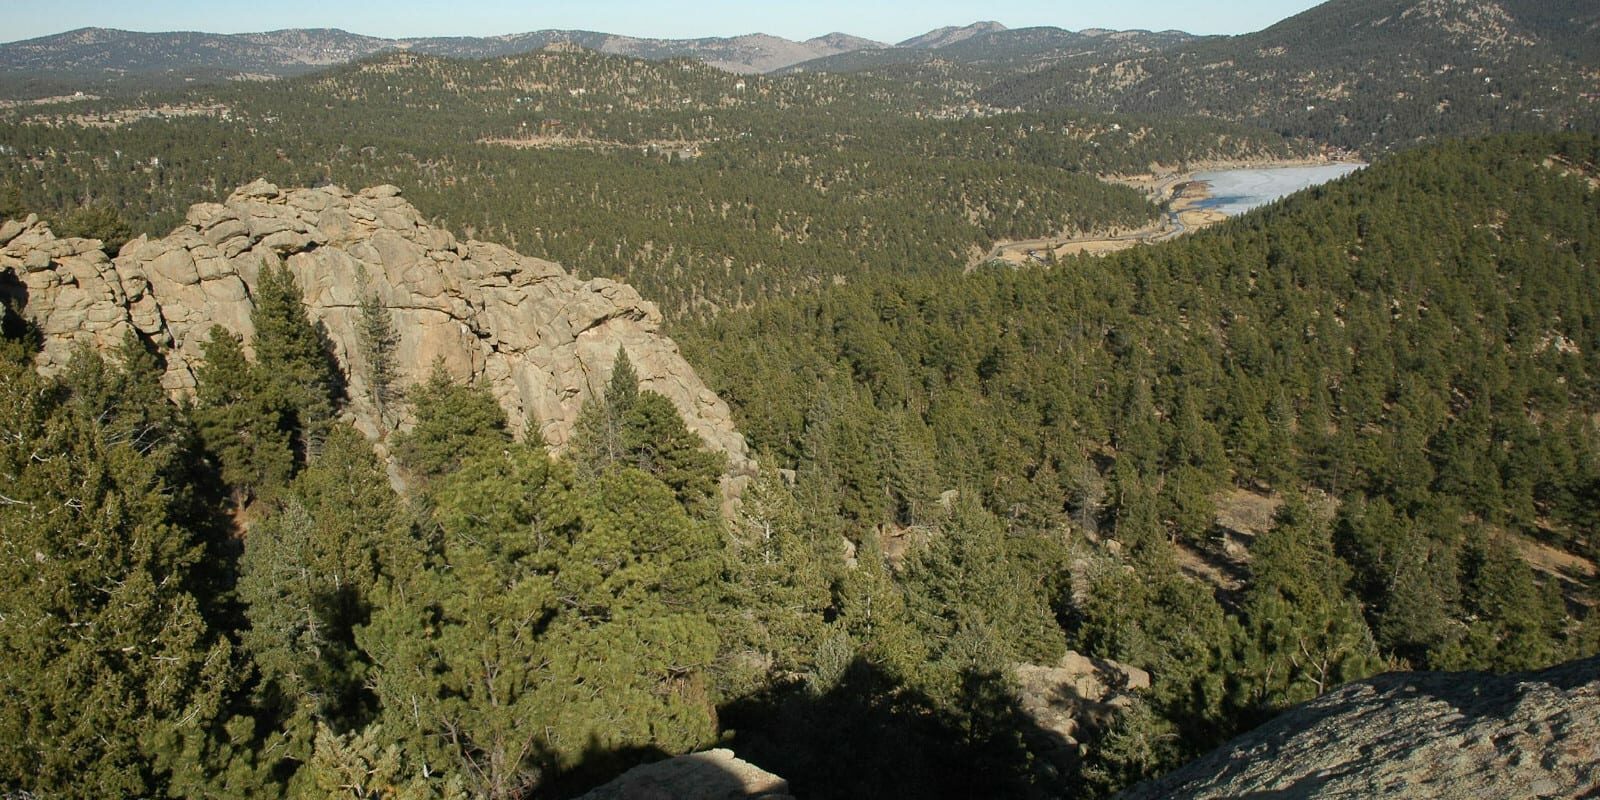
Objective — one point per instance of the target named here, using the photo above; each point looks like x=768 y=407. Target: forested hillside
x=1405 y=359
x=1363 y=74
x=987 y=470
x=703 y=194
x=296 y=554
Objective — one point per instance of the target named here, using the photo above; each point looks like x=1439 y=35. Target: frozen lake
x=1235 y=191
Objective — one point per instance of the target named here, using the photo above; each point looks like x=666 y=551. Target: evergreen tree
x=312 y=572
x=1515 y=623
x=453 y=423
x=113 y=674
x=872 y=608
x=238 y=421
x=367 y=765
x=97 y=221
x=11 y=205
x=778 y=590
x=378 y=340
x=642 y=429
x=964 y=581
x=597 y=436
x=297 y=372
x=462 y=669
x=489 y=663
x=1303 y=633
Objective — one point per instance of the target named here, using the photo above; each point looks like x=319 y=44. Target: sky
x=884 y=21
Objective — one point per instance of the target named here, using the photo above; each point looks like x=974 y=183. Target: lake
x=1235 y=191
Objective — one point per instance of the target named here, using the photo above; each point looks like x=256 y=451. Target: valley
x=1012 y=412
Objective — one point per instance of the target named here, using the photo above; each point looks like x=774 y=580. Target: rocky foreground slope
x=540 y=339
x=1416 y=735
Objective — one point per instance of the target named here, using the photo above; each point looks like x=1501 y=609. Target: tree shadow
x=872 y=736
x=869 y=736
x=13 y=299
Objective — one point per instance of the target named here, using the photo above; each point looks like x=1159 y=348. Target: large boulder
x=541 y=340
x=1454 y=736
x=711 y=775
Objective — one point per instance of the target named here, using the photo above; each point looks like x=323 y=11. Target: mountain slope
x=950 y=34
x=1371 y=74
x=990 y=55
x=275 y=52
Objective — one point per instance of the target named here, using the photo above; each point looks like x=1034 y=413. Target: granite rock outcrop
x=1071 y=702
x=1455 y=736
x=710 y=775
x=542 y=340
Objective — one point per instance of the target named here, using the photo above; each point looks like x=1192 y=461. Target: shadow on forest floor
x=870 y=737
x=873 y=737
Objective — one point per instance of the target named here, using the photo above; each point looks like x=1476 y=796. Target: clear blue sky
x=885 y=21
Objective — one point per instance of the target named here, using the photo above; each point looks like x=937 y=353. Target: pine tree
x=489 y=664
x=642 y=429
x=298 y=373
x=368 y=765
x=872 y=608
x=463 y=669
x=597 y=436
x=378 y=340
x=113 y=673
x=313 y=570
x=454 y=423
x=1304 y=634
x=238 y=421
x=965 y=581
x=778 y=591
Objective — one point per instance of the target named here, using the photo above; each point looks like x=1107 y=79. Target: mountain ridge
x=289 y=51
x=85 y=57
x=1358 y=73
x=950 y=34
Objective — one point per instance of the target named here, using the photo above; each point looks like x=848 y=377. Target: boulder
x=711 y=775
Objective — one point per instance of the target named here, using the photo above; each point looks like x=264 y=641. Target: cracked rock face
x=1461 y=735
x=540 y=339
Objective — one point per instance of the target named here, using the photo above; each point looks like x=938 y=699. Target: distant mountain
x=96 y=59
x=939 y=37
x=103 y=49
x=1370 y=74
x=92 y=58
x=985 y=53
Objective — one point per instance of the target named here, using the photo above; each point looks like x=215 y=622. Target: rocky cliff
x=1416 y=735
x=540 y=339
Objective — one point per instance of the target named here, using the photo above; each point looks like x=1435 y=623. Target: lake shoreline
x=1179 y=190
